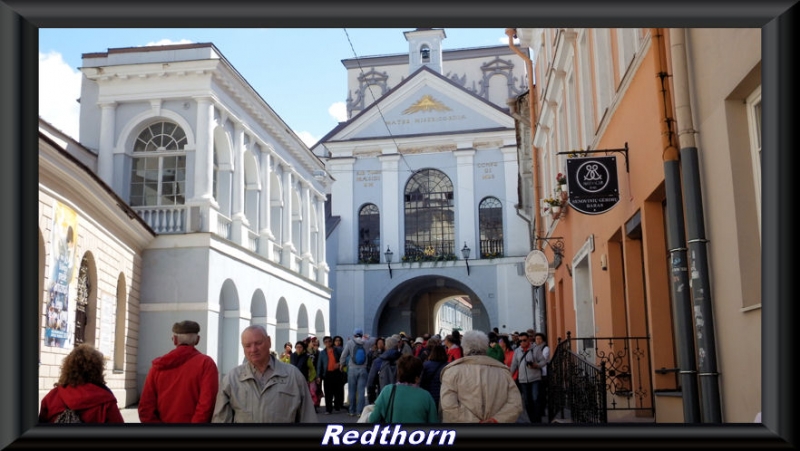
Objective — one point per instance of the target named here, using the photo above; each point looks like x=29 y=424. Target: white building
x=235 y=199
x=428 y=169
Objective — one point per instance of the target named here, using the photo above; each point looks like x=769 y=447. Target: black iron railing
x=591 y=376
x=369 y=253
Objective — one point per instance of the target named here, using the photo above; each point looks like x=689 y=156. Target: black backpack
x=68 y=416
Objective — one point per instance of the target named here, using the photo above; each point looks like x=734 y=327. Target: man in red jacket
x=182 y=385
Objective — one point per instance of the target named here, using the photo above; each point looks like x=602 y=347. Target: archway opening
x=415 y=307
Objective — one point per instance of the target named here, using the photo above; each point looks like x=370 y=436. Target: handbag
x=389 y=407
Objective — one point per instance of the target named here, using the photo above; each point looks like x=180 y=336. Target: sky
x=297 y=71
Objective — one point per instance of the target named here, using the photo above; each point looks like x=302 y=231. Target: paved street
x=131 y=415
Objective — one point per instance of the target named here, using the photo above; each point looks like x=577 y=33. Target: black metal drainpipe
x=695 y=228
x=676 y=239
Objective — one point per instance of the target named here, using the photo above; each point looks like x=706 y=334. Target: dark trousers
x=530 y=398
x=333 y=386
x=541 y=404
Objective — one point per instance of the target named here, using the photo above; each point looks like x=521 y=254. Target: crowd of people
x=474 y=377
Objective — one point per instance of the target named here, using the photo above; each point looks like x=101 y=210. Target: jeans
x=357 y=388
x=530 y=396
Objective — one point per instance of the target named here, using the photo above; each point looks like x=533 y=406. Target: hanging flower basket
x=561 y=179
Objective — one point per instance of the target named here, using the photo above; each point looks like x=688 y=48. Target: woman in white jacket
x=477 y=388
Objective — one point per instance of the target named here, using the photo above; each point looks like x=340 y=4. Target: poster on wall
x=63 y=242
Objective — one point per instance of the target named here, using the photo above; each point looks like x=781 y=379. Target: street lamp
x=389 y=254
x=465 y=252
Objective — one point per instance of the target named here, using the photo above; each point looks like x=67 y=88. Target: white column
x=305 y=227
x=390 y=206
x=239 y=220
x=265 y=235
x=514 y=226
x=288 y=247
x=237 y=213
x=204 y=152
x=465 y=203
x=341 y=170
x=322 y=265
x=105 y=156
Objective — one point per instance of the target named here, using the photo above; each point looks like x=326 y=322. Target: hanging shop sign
x=592 y=184
x=537 y=268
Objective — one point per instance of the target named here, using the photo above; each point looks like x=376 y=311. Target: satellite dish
x=537 y=268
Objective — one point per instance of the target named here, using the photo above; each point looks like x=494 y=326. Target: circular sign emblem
x=537 y=268
x=593 y=176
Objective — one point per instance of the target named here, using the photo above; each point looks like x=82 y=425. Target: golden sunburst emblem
x=426 y=103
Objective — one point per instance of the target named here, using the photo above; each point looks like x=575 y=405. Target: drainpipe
x=679 y=279
x=695 y=227
x=538 y=292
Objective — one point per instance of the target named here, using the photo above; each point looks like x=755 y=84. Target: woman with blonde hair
x=81 y=387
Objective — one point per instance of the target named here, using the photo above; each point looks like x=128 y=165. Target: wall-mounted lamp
x=465 y=252
x=389 y=254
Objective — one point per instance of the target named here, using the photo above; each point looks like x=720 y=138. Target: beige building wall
x=599 y=89
x=724 y=71
x=113 y=243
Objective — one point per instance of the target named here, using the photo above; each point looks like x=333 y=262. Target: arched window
x=82 y=303
x=369 y=234
x=490 y=217
x=158 y=172
x=429 y=215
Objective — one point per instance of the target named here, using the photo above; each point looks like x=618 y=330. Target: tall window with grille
x=82 y=303
x=490 y=218
x=754 y=123
x=369 y=234
x=158 y=172
x=429 y=215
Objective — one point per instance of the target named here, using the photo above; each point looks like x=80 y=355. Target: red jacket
x=181 y=387
x=454 y=353
x=93 y=403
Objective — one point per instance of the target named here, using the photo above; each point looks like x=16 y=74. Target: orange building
x=640 y=281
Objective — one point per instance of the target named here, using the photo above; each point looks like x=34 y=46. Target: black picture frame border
x=19 y=24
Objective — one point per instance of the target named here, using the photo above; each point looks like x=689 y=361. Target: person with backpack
x=355 y=354
x=388 y=370
x=81 y=394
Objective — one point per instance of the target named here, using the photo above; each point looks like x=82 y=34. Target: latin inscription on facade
x=368 y=178
x=487 y=170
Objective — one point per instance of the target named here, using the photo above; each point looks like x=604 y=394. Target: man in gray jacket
x=263 y=389
x=529 y=360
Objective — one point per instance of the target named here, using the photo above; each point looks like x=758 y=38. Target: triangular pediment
x=425 y=103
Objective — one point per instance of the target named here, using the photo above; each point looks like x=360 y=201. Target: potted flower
x=561 y=179
x=555 y=205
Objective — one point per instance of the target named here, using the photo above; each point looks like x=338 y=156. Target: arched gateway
x=411 y=306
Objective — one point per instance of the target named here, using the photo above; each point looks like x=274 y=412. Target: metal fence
x=589 y=377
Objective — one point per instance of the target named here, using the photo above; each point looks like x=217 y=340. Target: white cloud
x=168 y=42
x=307 y=138
x=504 y=40
x=59 y=89
x=338 y=111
